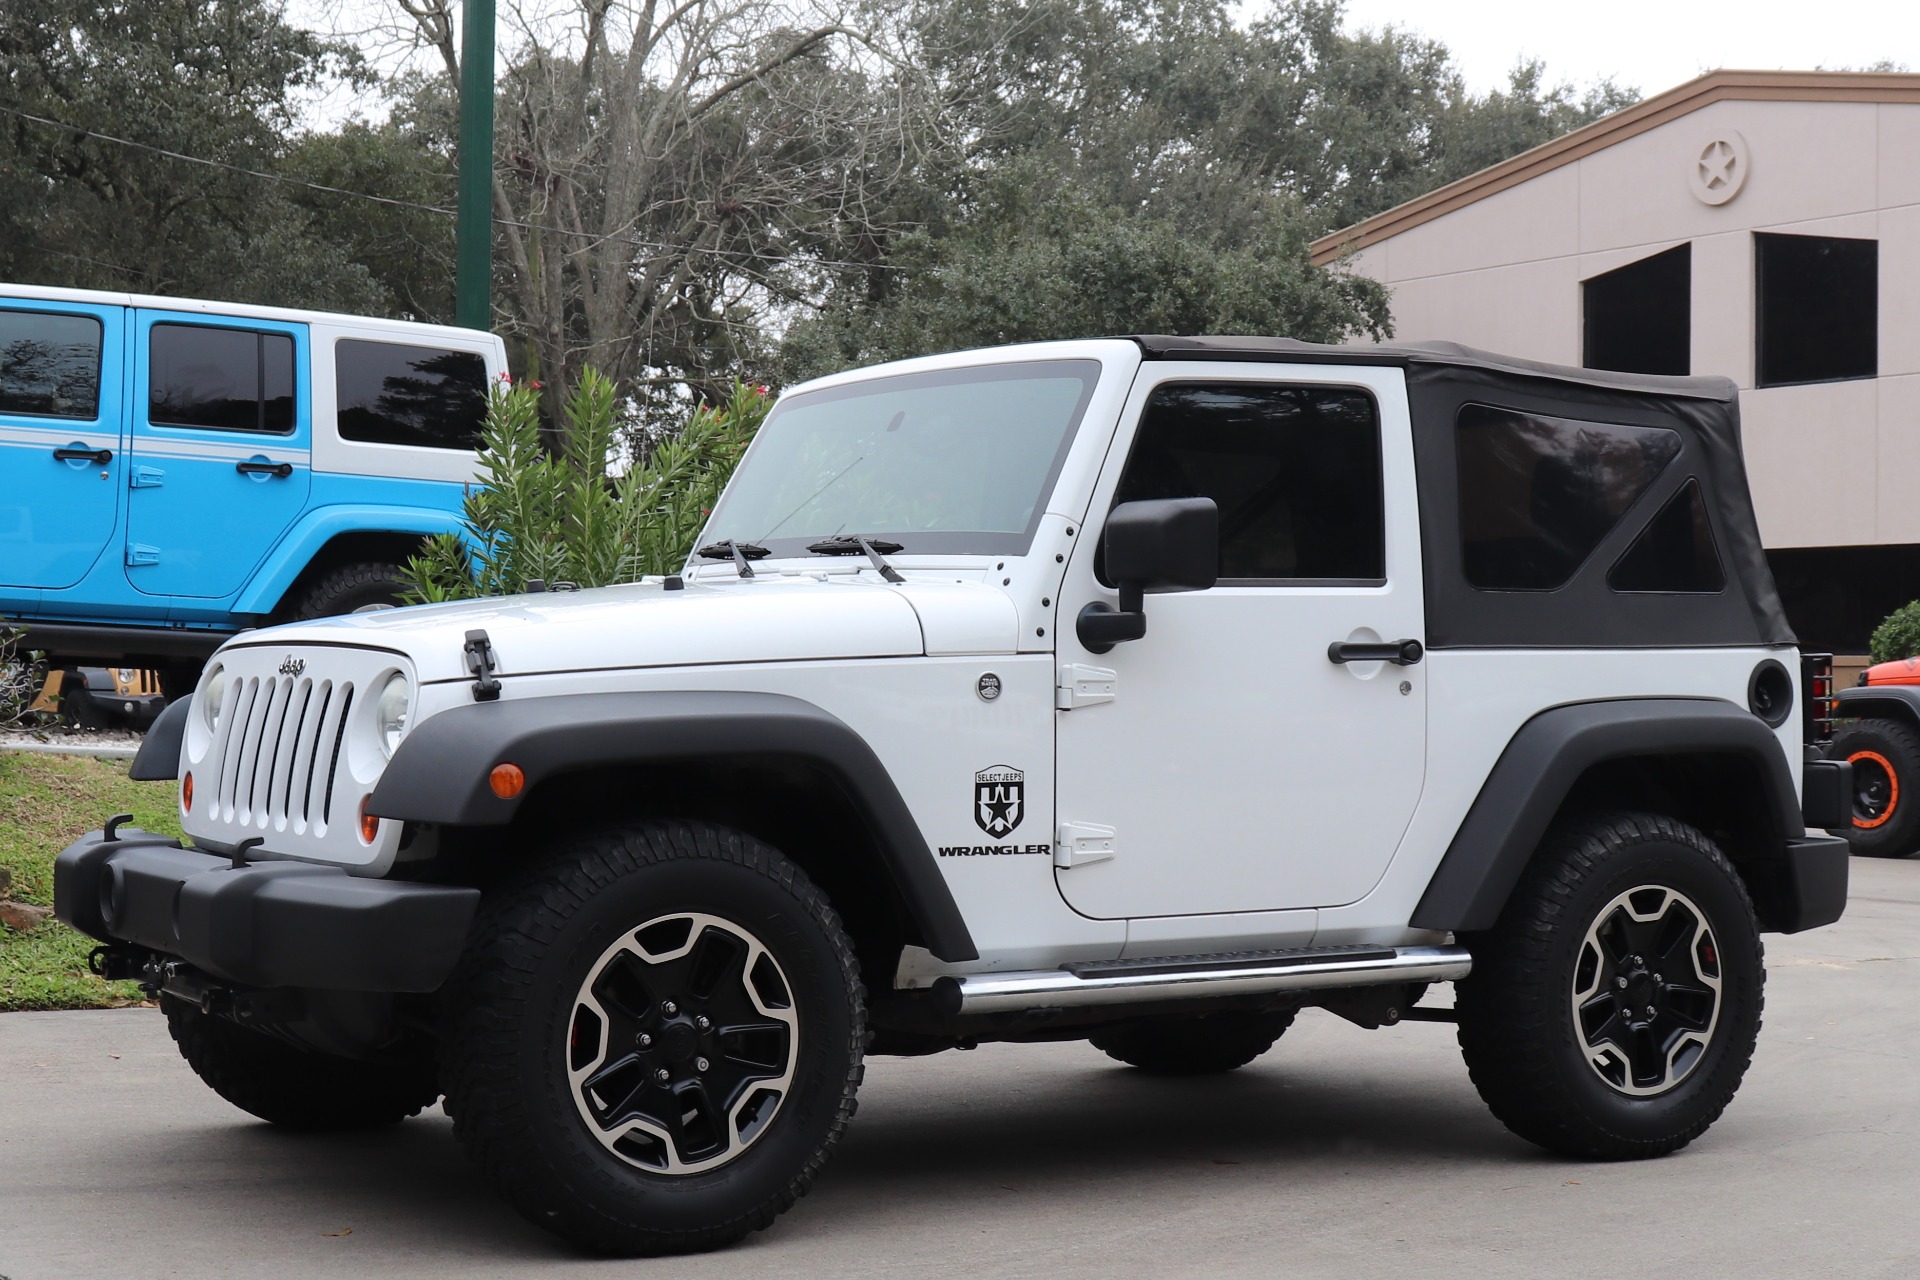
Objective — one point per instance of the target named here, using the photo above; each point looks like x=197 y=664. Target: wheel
x=78 y=706
x=1885 y=755
x=294 y=1088
x=1612 y=1010
x=655 y=1039
x=1194 y=1046
x=354 y=588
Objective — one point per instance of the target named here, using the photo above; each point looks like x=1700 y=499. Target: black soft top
x=1442 y=377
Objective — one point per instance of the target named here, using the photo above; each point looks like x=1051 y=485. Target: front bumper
x=1816 y=882
x=264 y=924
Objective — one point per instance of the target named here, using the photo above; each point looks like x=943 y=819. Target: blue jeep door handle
x=280 y=469
x=98 y=457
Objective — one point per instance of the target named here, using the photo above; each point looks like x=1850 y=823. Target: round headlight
x=390 y=712
x=213 y=692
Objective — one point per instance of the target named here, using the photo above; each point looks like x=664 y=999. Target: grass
x=45 y=803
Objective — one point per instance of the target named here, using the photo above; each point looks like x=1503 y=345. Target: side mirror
x=1169 y=544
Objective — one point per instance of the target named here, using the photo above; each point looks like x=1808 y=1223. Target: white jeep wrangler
x=1143 y=691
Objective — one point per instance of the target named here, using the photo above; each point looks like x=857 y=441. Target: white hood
x=766 y=619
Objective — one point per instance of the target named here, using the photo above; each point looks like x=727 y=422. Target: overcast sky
x=1654 y=44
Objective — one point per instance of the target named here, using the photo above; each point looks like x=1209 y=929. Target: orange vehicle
x=1882 y=739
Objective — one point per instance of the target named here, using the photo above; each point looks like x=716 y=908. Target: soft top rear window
x=1538 y=494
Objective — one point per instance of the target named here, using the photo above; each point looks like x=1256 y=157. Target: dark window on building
x=1294 y=470
x=1675 y=552
x=1537 y=494
x=49 y=365
x=224 y=379
x=1817 y=309
x=1638 y=318
x=1836 y=596
x=393 y=394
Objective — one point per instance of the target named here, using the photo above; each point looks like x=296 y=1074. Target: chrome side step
x=1198 y=977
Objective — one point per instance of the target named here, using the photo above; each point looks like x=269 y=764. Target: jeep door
x=62 y=440
x=220 y=460
x=1239 y=767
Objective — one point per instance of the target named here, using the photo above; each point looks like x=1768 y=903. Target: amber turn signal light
x=507 y=780
x=186 y=793
x=369 y=824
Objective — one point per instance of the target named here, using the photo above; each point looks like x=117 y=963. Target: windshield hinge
x=1076 y=844
x=479 y=651
x=1079 y=685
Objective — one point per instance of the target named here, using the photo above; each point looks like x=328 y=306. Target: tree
x=661 y=172
x=1119 y=167
x=216 y=79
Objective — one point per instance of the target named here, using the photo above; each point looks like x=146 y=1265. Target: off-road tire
x=79 y=708
x=348 y=589
x=1886 y=779
x=1193 y=1046
x=1517 y=1026
x=511 y=1027
x=294 y=1088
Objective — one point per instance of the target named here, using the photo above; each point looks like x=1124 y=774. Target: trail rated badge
x=999 y=800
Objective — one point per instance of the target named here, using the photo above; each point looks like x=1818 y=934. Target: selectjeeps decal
x=999 y=800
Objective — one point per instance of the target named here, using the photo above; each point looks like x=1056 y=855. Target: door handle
x=1401 y=653
x=280 y=469
x=98 y=457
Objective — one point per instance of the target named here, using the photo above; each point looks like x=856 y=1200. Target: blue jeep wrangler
x=172 y=471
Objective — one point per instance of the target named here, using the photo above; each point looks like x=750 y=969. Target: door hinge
x=1075 y=844
x=139 y=554
x=1079 y=685
x=146 y=478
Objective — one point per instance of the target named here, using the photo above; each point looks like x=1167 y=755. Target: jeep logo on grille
x=293 y=666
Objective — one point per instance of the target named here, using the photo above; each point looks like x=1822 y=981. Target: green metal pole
x=473 y=231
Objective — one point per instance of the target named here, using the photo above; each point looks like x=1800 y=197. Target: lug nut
x=669 y=1008
x=662 y=1075
x=1620 y=982
x=699 y=1064
x=646 y=1040
x=1650 y=1011
x=703 y=1023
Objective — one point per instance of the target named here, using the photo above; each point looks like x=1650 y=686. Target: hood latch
x=479 y=651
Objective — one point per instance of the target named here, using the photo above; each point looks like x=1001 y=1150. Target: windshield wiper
x=852 y=544
x=738 y=552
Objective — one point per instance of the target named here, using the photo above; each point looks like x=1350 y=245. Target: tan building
x=1760 y=225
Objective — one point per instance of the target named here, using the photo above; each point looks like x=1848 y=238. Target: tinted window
x=393 y=394
x=1675 y=552
x=1537 y=494
x=49 y=365
x=1638 y=318
x=1817 y=311
x=1294 y=470
x=226 y=379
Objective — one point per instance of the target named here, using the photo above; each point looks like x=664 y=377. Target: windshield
x=956 y=461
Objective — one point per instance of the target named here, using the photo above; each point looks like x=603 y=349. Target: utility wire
x=431 y=208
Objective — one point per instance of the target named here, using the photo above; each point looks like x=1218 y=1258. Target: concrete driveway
x=1343 y=1152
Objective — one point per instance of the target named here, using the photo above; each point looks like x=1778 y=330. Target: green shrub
x=565 y=519
x=1899 y=636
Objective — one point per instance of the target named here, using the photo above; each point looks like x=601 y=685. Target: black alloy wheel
x=654 y=1040
x=1646 y=990
x=1614 y=1006
x=682 y=1046
x=1885 y=755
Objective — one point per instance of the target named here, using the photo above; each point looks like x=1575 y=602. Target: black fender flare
x=440 y=772
x=1547 y=756
x=1883 y=701
x=158 y=759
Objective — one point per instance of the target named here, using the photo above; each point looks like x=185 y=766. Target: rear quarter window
x=49 y=365
x=394 y=393
x=1538 y=494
